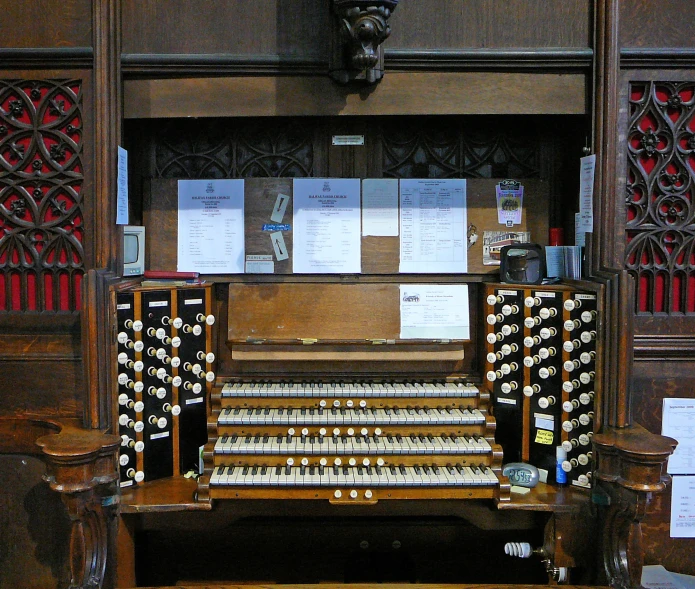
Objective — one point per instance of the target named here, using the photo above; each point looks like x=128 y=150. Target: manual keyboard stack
x=352 y=442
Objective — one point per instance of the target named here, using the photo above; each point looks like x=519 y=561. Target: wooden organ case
x=346 y=451
x=320 y=413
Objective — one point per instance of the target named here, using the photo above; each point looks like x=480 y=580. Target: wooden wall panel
x=666 y=24
x=434 y=24
x=46 y=24
x=653 y=381
x=41 y=375
x=262 y=27
x=34 y=527
x=300 y=27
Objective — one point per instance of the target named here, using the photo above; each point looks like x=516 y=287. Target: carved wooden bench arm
x=630 y=466
x=82 y=466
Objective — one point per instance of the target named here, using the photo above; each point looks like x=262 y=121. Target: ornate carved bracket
x=360 y=27
x=82 y=466
x=631 y=466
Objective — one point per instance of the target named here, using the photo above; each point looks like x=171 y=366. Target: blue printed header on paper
x=269 y=227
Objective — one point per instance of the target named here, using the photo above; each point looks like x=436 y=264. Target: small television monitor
x=133 y=250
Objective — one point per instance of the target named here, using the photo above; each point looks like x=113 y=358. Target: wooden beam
x=402 y=93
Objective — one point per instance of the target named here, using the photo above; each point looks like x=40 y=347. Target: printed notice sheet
x=434 y=311
x=678 y=422
x=326 y=226
x=380 y=207
x=433 y=226
x=683 y=507
x=122 y=188
x=211 y=226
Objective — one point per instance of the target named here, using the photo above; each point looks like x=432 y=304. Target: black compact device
x=522 y=263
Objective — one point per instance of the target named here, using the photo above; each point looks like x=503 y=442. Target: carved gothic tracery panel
x=41 y=182
x=234 y=149
x=440 y=148
x=660 y=188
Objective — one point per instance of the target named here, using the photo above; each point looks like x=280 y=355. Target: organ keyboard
x=356 y=441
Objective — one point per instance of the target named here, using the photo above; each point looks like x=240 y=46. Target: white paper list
x=433 y=226
x=678 y=422
x=380 y=207
x=683 y=507
x=326 y=217
x=211 y=226
x=122 y=187
x=434 y=311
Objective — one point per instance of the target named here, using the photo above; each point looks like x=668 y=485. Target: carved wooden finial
x=361 y=26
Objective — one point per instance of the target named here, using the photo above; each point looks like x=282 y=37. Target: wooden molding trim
x=136 y=65
x=662 y=347
x=539 y=59
x=657 y=57
x=54 y=57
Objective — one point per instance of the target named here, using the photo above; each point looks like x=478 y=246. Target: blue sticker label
x=276 y=227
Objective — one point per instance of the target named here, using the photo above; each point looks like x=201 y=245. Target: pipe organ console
x=165 y=372
x=352 y=435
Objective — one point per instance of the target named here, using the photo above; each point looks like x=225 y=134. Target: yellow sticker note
x=543 y=436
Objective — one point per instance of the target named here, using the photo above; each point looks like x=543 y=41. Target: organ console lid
x=325 y=321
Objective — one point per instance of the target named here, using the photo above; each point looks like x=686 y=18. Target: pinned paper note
x=510 y=201
x=122 y=187
x=279 y=208
x=278 y=242
x=544 y=437
x=260 y=264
